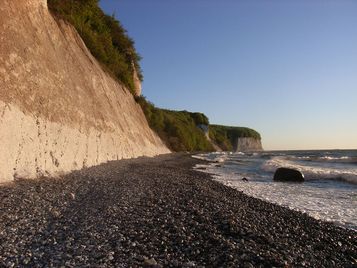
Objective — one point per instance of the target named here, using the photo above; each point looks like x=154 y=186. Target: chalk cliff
x=248 y=144
x=59 y=111
x=137 y=83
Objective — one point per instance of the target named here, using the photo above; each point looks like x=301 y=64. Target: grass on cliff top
x=178 y=129
x=226 y=136
x=104 y=36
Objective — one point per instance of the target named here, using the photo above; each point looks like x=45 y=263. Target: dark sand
x=158 y=212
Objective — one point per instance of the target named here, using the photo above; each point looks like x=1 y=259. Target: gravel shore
x=158 y=212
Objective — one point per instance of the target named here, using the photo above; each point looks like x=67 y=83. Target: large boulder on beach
x=289 y=175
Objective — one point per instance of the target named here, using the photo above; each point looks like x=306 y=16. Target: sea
x=329 y=192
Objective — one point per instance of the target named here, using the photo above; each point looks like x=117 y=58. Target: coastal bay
x=158 y=212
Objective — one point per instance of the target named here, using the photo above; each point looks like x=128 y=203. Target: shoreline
x=158 y=212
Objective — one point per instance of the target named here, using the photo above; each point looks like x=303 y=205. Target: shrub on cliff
x=200 y=118
x=104 y=36
x=178 y=129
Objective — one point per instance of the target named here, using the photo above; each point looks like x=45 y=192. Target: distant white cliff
x=248 y=144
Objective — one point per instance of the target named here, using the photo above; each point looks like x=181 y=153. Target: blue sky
x=285 y=68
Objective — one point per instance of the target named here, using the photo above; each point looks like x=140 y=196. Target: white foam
x=335 y=158
x=337 y=206
x=348 y=175
x=218 y=157
x=333 y=204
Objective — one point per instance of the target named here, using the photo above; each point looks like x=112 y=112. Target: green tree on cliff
x=104 y=36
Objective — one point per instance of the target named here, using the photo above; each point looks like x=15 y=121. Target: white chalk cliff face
x=59 y=111
x=248 y=144
x=137 y=83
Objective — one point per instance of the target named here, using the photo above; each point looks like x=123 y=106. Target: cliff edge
x=236 y=139
x=248 y=144
x=59 y=111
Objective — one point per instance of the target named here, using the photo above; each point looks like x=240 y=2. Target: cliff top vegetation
x=178 y=129
x=104 y=36
x=226 y=136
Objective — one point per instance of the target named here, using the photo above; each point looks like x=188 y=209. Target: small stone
x=111 y=256
x=190 y=264
x=140 y=258
x=56 y=213
x=248 y=265
x=149 y=262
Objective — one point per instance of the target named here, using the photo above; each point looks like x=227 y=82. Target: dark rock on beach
x=158 y=212
x=288 y=175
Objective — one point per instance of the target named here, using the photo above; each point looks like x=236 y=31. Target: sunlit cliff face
x=59 y=111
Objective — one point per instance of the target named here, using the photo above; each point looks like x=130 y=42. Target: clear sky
x=285 y=68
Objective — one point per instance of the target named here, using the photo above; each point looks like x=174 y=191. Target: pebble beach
x=158 y=212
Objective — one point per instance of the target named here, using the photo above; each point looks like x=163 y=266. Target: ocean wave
x=217 y=157
x=347 y=175
x=329 y=159
x=334 y=205
x=327 y=197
